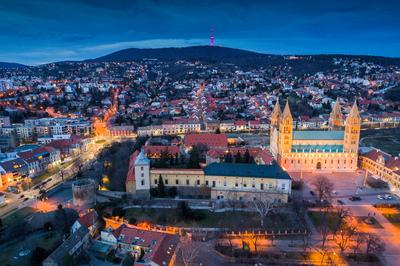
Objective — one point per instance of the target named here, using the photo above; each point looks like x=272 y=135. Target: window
x=224 y=183
x=213 y=183
x=141 y=168
x=198 y=182
x=206 y=182
x=142 y=182
x=187 y=181
x=176 y=181
x=155 y=181
x=166 y=181
x=262 y=186
x=142 y=174
x=283 y=186
x=245 y=185
x=253 y=185
x=236 y=184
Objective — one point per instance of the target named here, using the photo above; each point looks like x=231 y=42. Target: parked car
x=355 y=198
x=312 y=193
x=380 y=197
x=388 y=197
x=340 y=202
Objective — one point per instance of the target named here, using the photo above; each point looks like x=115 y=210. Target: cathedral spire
x=286 y=111
x=354 y=113
x=336 y=117
x=277 y=108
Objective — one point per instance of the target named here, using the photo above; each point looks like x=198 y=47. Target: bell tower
x=276 y=116
x=285 y=131
x=352 y=130
x=336 y=117
x=274 y=130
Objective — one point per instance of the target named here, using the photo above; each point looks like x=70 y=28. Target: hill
x=11 y=65
x=243 y=58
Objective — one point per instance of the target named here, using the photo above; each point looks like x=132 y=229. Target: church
x=333 y=150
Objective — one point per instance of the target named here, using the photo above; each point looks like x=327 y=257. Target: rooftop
x=318 y=135
x=246 y=170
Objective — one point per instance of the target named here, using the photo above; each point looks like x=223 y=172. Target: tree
x=38 y=256
x=218 y=131
x=188 y=251
x=246 y=156
x=172 y=192
x=373 y=244
x=160 y=187
x=344 y=236
x=323 y=187
x=263 y=207
x=194 y=158
x=228 y=157
x=118 y=211
x=238 y=158
x=128 y=260
x=183 y=210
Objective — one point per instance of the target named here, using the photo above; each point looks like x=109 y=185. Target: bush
x=118 y=211
x=297 y=184
x=132 y=220
x=172 y=192
x=376 y=183
x=153 y=192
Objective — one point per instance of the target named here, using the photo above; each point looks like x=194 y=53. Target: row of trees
x=247 y=158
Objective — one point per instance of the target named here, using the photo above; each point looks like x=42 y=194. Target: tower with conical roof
x=352 y=130
x=285 y=131
x=276 y=115
x=336 y=117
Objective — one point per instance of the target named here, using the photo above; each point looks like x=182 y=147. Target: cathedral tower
x=285 y=131
x=276 y=115
x=352 y=130
x=336 y=117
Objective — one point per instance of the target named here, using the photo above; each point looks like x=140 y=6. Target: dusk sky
x=41 y=31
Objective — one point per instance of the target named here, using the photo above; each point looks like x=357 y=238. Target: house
x=149 y=247
x=211 y=140
x=69 y=249
x=88 y=220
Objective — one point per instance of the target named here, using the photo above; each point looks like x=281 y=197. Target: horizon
x=171 y=47
x=45 y=31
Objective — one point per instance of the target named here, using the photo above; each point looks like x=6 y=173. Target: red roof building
x=209 y=139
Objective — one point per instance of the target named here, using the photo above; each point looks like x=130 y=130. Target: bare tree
x=342 y=217
x=373 y=244
x=359 y=239
x=344 y=236
x=188 y=251
x=323 y=187
x=263 y=207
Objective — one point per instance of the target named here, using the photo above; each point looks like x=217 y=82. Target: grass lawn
x=18 y=215
x=237 y=219
x=375 y=223
x=316 y=217
x=393 y=218
x=47 y=240
x=387 y=140
x=100 y=141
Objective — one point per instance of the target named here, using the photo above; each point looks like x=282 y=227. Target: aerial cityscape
x=199 y=133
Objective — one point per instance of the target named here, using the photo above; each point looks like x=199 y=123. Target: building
x=211 y=140
x=334 y=150
x=218 y=181
x=382 y=165
x=149 y=247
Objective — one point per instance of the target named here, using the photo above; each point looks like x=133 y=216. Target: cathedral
x=333 y=150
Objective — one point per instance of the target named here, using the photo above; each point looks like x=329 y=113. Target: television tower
x=212 y=37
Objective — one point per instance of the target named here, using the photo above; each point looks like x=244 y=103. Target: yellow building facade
x=334 y=150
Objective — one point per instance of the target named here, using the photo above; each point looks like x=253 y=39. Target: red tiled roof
x=88 y=219
x=157 y=149
x=209 y=139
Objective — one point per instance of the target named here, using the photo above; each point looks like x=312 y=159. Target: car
x=380 y=197
x=388 y=197
x=355 y=198
x=25 y=199
x=340 y=202
x=335 y=192
x=21 y=196
x=312 y=193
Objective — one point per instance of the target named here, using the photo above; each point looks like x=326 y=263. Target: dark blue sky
x=40 y=31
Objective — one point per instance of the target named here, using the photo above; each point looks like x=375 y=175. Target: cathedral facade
x=333 y=150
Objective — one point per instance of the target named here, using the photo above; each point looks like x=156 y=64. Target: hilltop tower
x=352 y=130
x=212 y=37
x=285 y=131
x=336 y=117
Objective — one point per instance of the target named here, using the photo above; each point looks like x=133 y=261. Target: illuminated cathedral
x=333 y=150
